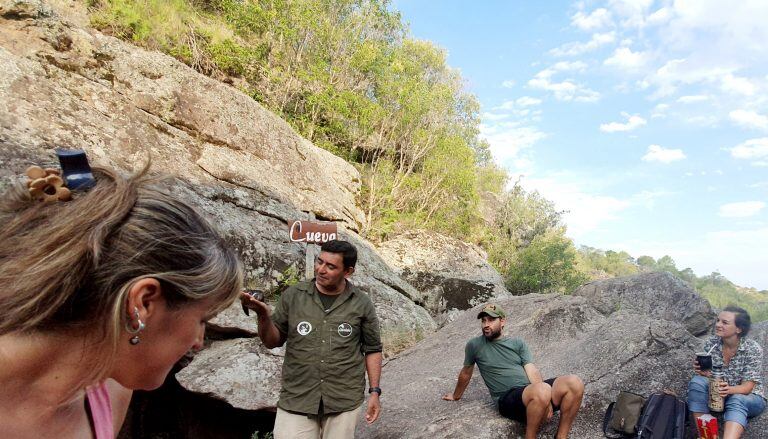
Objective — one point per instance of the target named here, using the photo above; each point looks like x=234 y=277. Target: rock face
x=449 y=273
x=610 y=351
x=237 y=162
x=69 y=86
x=240 y=371
x=63 y=84
x=655 y=294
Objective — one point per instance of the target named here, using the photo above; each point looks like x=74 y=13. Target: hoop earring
x=135 y=331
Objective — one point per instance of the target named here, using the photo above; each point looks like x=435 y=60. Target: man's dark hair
x=348 y=251
x=742 y=320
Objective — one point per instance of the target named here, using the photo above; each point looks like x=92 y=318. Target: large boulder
x=566 y=334
x=655 y=294
x=240 y=371
x=449 y=273
x=621 y=350
x=65 y=85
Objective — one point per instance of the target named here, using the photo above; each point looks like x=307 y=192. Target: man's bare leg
x=536 y=398
x=567 y=392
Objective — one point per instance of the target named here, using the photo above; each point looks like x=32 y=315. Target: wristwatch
x=375 y=389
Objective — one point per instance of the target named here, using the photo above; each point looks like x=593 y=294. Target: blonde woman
x=100 y=296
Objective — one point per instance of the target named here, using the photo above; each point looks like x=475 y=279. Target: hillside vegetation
x=718 y=290
x=347 y=75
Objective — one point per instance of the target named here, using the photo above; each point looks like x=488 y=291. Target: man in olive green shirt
x=332 y=335
x=516 y=385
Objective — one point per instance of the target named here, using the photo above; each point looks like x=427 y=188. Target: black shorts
x=511 y=404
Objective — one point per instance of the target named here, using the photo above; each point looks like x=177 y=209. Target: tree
x=666 y=263
x=548 y=264
x=646 y=262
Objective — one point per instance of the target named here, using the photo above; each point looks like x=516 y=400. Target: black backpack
x=663 y=416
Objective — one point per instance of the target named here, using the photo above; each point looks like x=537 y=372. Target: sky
x=647 y=121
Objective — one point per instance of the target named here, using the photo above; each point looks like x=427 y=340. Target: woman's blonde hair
x=67 y=266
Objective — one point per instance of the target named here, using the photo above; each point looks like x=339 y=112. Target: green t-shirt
x=500 y=362
x=327 y=299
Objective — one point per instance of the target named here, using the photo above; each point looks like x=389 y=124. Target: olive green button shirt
x=325 y=351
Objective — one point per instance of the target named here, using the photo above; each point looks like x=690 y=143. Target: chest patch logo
x=345 y=329
x=304 y=328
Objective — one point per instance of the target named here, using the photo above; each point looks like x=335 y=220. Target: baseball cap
x=492 y=311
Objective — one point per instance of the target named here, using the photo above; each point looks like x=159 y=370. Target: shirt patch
x=345 y=329
x=304 y=328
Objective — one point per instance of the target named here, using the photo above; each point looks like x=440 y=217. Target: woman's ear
x=144 y=296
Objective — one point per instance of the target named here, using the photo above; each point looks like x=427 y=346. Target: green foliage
x=527 y=244
x=598 y=262
x=719 y=291
x=289 y=276
x=346 y=75
x=547 y=264
x=491 y=178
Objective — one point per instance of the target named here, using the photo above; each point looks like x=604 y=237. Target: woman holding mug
x=742 y=366
x=103 y=292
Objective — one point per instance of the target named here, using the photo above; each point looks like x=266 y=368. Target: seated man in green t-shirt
x=515 y=383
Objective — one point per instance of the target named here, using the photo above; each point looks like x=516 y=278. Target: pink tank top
x=101 y=411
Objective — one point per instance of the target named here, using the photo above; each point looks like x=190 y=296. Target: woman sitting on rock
x=742 y=365
x=101 y=295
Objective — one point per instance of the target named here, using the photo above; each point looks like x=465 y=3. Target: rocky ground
x=643 y=341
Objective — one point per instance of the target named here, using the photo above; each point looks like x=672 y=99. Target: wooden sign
x=313 y=232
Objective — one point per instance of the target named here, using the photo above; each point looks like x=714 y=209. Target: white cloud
x=624 y=58
x=677 y=72
x=585 y=211
x=753 y=149
x=691 y=99
x=736 y=85
x=575 y=48
x=494 y=116
x=564 y=66
x=597 y=19
x=742 y=209
x=648 y=198
x=749 y=119
x=522 y=109
x=508 y=83
x=658 y=154
x=566 y=90
x=659 y=111
x=527 y=101
x=507 y=139
x=661 y=16
x=633 y=122
x=631 y=12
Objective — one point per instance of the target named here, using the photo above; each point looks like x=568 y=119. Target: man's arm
x=461 y=384
x=269 y=334
x=534 y=376
x=373 y=368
